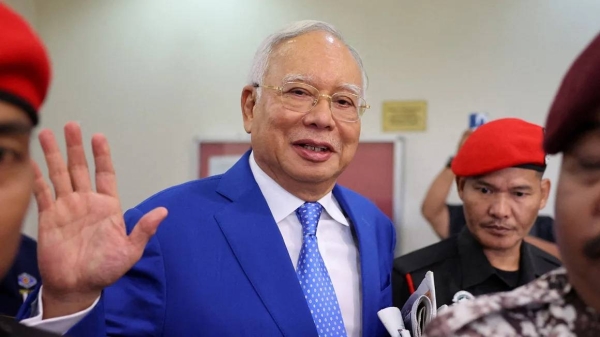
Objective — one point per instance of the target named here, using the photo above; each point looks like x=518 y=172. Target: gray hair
x=261 y=58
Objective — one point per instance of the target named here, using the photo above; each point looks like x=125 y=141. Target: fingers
x=75 y=176
x=41 y=190
x=57 y=169
x=145 y=229
x=76 y=162
x=106 y=180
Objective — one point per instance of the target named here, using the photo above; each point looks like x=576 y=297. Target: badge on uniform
x=26 y=282
x=462 y=296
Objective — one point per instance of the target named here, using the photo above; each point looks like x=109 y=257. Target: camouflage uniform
x=547 y=306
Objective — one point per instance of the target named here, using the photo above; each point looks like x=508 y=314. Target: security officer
x=449 y=219
x=21 y=279
x=500 y=180
x=24 y=81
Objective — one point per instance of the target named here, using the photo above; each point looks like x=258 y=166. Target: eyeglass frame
x=318 y=98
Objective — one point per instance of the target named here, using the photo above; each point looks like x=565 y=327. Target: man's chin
x=312 y=173
x=498 y=243
x=312 y=178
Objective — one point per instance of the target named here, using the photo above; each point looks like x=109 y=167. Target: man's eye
x=344 y=102
x=590 y=165
x=8 y=156
x=484 y=190
x=298 y=92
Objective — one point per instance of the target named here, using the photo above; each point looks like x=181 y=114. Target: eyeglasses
x=301 y=97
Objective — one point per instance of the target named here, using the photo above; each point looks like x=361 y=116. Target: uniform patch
x=26 y=281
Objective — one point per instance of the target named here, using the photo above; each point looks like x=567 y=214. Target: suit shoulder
x=541 y=256
x=426 y=257
x=181 y=192
x=360 y=202
x=355 y=197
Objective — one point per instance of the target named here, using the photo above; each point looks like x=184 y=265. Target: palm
x=91 y=225
x=83 y=244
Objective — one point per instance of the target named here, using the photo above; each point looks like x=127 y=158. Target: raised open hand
x=83 y=243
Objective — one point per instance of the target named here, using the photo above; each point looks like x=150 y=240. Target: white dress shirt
x=336 y=245
x=57 y=325
x=335 y=240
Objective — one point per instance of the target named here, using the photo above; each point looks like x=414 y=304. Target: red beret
x=24 y=64
x=500 y=144
x=576 y=100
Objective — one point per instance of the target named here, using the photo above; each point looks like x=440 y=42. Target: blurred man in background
x=24 y=80
x=447 y=220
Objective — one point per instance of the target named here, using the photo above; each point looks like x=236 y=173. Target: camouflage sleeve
x=478 y=317
x=491 y=325
x=540 y=308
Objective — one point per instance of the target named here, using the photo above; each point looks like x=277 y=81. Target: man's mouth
x=497 y=228
x=315 y=148
x=314 y=151
x=314 y=145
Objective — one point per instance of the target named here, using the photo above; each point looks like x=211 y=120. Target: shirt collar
x=476 y=268
x=529 y=270
x=473 y=258
x=282 y=203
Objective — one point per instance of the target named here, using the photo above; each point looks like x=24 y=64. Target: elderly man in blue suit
x=273 y=247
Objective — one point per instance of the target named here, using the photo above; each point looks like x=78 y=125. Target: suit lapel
x=369 y=268
x=257 y=243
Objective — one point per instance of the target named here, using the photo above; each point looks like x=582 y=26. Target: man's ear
x=460 y=186
x=546 y=185
x=248 y=102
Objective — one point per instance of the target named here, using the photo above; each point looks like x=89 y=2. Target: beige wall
x=24 y=7
x=152 y=75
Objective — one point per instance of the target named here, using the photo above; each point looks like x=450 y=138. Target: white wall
x=152 y=75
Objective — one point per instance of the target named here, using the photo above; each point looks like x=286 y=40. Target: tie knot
x=309 y=214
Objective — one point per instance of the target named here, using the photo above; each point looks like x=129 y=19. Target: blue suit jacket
x=218 y=266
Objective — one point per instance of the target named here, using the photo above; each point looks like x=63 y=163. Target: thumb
x=145 y=229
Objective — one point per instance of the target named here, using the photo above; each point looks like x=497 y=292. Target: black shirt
x=510 y=278
x=458 y=263
x=542 y=227
x=22 y=278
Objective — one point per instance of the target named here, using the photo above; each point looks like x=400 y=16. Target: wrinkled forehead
x=317 y=58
